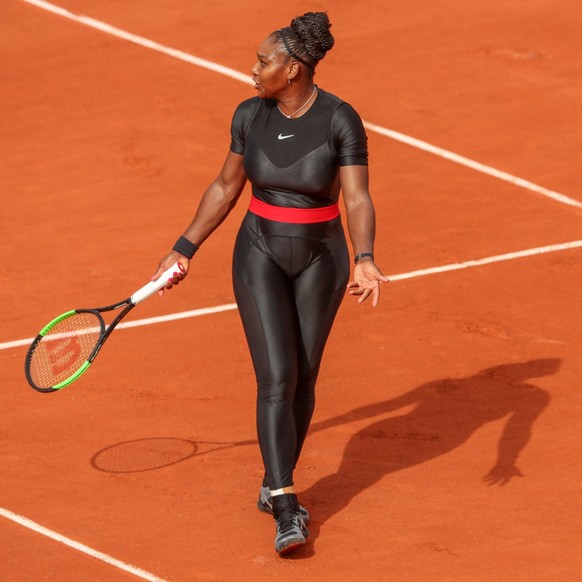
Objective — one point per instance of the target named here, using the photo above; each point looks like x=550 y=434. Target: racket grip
x=154 y=286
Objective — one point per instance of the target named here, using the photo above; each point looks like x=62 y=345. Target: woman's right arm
x=218 y=200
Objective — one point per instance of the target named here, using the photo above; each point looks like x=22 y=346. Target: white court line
x=140 y=322
x=24 y=521
x=119 y=33
x=488 y=260
x=400 y=277
x=395 y=135
x=479 y=167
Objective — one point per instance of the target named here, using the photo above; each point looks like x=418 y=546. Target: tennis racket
x=65 y=348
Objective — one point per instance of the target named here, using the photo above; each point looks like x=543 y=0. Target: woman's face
x=270 y=71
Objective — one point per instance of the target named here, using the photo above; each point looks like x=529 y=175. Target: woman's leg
x=264 y=296
x=318 y=292
x=289 y=283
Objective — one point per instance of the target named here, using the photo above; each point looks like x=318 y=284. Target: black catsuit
x=289 y=279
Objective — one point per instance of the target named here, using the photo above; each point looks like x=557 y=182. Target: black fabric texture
x=295 y=162
x=289 y=281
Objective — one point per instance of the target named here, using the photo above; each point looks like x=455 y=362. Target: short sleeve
x=351 y=141
x=240 y=123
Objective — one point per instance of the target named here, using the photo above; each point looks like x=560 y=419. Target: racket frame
x=128 y=304
x=104 y=333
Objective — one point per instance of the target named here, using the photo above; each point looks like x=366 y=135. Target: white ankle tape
x=282 y=491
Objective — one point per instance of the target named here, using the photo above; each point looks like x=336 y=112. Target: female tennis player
x=299 y=146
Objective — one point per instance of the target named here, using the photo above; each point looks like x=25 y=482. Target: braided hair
x=307 y=39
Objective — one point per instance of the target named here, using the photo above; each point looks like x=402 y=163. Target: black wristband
x=185 y=247
x=361 y=256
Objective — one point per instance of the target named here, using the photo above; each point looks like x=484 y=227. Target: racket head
x=64 y=349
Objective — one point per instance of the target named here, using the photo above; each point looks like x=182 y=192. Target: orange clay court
x=446 y=440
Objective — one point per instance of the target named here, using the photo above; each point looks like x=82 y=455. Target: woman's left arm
x=362 y=229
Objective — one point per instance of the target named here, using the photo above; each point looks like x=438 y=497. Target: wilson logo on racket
x=63 y=353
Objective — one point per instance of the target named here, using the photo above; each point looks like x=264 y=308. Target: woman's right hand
x=166 y=263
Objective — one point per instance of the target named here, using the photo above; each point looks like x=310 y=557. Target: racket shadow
x=154 y=453
x=446 y=413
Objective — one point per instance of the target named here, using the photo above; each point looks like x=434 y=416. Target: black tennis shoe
x=292 y=530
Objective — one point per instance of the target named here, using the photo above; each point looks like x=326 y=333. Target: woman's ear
x=293 y=72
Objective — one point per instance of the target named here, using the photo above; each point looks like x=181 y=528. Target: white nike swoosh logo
x=281 y=136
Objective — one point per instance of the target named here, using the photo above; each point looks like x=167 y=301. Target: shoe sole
x=291 y=547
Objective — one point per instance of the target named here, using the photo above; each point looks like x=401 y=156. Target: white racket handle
x=154 y=286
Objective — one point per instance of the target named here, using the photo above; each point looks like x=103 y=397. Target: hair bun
x=313 y=30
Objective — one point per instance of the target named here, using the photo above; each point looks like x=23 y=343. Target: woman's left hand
x=367 y=280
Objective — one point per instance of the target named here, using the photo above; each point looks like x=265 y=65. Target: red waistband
x=293 y=215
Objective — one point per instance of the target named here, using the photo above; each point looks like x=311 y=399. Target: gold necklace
x=302 y=107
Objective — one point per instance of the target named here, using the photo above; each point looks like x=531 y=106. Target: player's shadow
x=446 y=413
